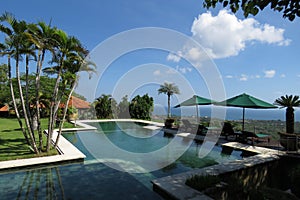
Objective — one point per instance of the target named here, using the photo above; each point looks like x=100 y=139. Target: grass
x=13 y=144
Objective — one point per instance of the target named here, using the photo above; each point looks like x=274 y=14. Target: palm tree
x=67 y=46
x=42 y=35
x=289 y=101
x=73 y=65
x=104 y=106
x=15 y=41
x=169 y=89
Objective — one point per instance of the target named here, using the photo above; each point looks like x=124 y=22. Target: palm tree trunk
x=54 y=106
x=31 y=135
x=290 y=120
x=64 y=114
x=26 y=93
x=169 y=110
x=41 y=55
x=15 y=103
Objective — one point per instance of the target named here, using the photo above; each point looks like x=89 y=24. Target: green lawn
x=12 y=143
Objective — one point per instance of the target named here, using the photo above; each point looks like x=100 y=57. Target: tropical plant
x=68 y=49
x=169 y=89
x=104 y=106
x=42 y=36
x=289 y=102
x=4 y=85
x=73 y=64
x=124 y=108
x=290 y=9
x=15 y=43
x=40 y=41
x=141 y=107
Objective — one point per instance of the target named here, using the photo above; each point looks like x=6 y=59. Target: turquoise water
x=94 y=180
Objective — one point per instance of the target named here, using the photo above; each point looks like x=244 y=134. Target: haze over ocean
x=231 y=113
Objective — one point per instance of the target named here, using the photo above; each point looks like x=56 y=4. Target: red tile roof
x=77 y=103
x=4 y=108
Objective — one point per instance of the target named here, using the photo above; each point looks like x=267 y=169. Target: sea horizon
x=231 y=113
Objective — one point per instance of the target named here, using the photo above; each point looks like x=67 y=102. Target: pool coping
x=68 y=152
x=174 y=187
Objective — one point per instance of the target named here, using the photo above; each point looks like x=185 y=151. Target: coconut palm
x=42 y=35
x=289 y=102
x=169 y=89
x=15 y=42
x=67 y=46
x=72 y=66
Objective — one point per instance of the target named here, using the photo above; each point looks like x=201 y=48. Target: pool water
x=94 y=180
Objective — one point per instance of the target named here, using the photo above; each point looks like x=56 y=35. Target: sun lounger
x=227 y=130
x=255 y=137
x=194 y=128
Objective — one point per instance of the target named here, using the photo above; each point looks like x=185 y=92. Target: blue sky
x=257 y=55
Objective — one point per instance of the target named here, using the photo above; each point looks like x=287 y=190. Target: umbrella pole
x=197 y=113
x=243 y=118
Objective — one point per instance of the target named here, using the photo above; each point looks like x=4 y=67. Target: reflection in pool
x=95 y=180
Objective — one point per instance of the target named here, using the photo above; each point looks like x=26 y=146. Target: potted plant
x=289 y=141
x=169 y=122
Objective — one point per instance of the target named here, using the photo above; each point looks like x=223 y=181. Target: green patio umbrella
x=246 y=101
x=195 y=101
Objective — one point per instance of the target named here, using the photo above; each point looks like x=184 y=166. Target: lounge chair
x=255 y=137
x=227 y=130
x=194 y=128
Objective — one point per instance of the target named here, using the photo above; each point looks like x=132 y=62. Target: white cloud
x=282 y=76
x=184 y=70
x=243 y=77
x=257 y=76
x=173 y=57
x=225 y=35
x=171 y=71
x=269 y=73
x=228 y=76
x=157 y=73
x=298 y=75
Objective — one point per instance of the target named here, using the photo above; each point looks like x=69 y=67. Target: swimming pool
x=94 y=179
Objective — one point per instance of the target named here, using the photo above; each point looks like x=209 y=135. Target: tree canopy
x=289 y=102
x=169 y=89
x=289 y=8
x=141 y=107
x=27 y=47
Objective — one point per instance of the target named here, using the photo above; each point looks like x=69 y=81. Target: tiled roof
x=77 y=103
x=4 y=108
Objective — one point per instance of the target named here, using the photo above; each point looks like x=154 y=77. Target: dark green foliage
x=169 y=89
x=141 y=107
x=290 y=8
x=4 y=85
x=105 y=107
x=289 y=101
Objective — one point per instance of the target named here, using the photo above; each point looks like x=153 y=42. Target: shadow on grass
x=13 y=148
x=11 y=130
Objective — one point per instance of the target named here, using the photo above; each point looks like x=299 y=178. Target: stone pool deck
x=174 y=187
